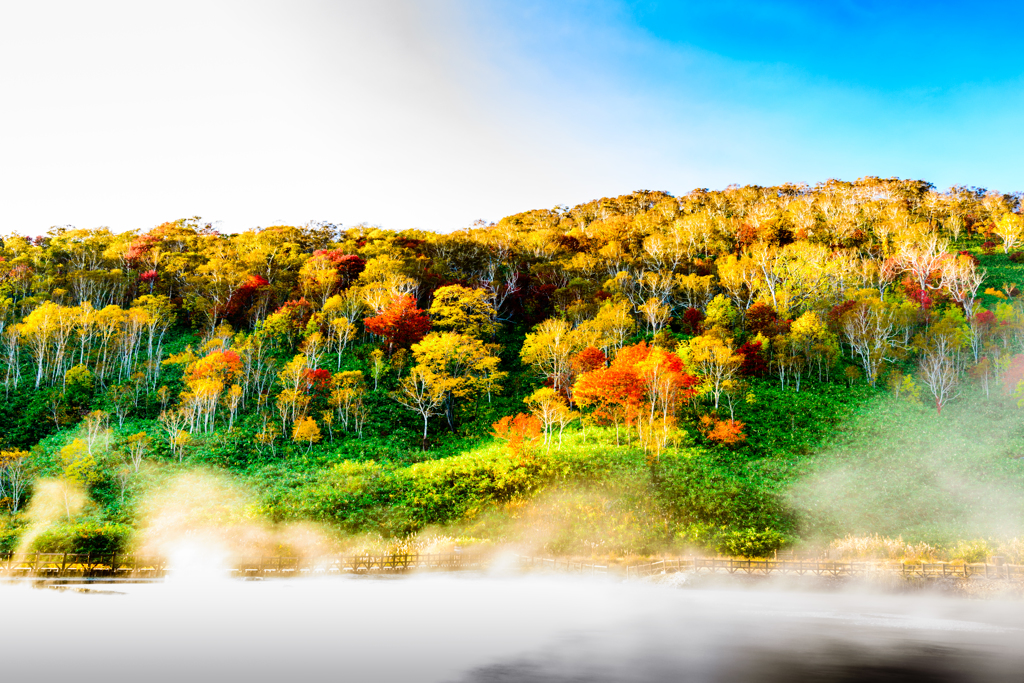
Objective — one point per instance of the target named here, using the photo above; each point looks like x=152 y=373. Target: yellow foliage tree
x=306 y=429
x=713 y=360
x=79 y=470
x=551 y=409
x=1010 y=227
x=459 y=365
x=550 y=348
x=13 y=476
x=424 y=393
x=347 y=398
x=463 y=310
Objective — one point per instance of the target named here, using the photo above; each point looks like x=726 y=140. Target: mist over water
x=940 y=482
x=468 y=628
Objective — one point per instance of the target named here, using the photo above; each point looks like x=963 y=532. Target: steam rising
x=496 y=627
x=52 y=501
x=466 y=628
x=204 y=524
x=910 y=473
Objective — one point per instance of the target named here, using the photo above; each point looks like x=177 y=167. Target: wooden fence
x=74 y=565
x=699 y=565
x=563 y=566
x=130 y=567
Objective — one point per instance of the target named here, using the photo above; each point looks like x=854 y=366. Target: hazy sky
x=432 y=114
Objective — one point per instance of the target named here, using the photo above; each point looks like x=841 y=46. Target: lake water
x=464 y=628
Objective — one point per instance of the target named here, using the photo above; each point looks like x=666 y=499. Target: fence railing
x=556 y=565
x=94 y=565
x=934 y=570
x=66 y=565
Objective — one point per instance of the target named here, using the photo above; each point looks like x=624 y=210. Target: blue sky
x=435 y=113
x=767 y=92
x=882 y=46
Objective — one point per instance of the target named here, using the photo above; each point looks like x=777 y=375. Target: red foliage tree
x=140 y=248
x=148 y=279
x=401 y=324
x=916 y=294
x=985 y=319
x=317 y=381
x=753 y=364
x=412 y=244
x=241 y=299
x=296 y=315
x=836 y=313
x=348 y=266
x=762 y=318
x=692 y=319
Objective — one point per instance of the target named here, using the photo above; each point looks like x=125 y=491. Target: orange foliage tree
x=205 y=380
x=519 y=432
x=644 y=388
x=609 y=393
x=724 y=432
x=588 y=360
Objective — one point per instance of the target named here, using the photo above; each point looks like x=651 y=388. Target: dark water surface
x=474 y=629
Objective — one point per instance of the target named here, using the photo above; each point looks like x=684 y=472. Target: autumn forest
x=738 y=372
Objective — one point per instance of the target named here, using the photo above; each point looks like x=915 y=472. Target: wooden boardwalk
x=74 y=565
x=936 y=570
x=130 y=567
x=526 y=563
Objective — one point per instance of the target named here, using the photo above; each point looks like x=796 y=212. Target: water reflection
x=483 y=628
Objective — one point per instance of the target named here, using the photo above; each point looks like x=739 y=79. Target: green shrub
x=371 y=496
x=751 y=542
x=977 y=550
x=734 y=542
x=8 y=538
x=84 y=538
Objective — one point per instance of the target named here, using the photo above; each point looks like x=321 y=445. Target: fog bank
x=479 y=628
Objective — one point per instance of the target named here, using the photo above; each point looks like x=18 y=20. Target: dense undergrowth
x=807 y=441
x=587 y=496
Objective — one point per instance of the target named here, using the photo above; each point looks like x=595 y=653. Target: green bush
x=734 y=542
x=371 y=496
x=751 y=542
x=8 y=538
x=977 y=550
x=84 y=538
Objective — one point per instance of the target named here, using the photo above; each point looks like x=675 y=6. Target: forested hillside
x=636 y=374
